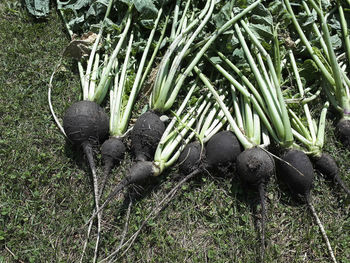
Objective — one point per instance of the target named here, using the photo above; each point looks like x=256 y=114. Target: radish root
x=153 y=214
x=320 y=225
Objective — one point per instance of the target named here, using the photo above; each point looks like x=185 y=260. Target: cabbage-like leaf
x=73 y=4
x=336 y=42
x=146 y=7
x=223 y=15
x=97 y=8
x=38 y=8
x=261 y=23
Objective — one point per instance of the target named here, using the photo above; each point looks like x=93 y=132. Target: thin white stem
x=323 y=232
x=50 y=101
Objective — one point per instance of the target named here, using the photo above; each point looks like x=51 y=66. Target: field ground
x=46 y=190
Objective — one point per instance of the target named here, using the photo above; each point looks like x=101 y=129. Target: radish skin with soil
x=167 y=86
x=254 y=165
x=295 y=162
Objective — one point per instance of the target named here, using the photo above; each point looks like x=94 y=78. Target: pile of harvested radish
x=238 y=88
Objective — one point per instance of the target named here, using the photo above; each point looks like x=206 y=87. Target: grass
x=46 y=191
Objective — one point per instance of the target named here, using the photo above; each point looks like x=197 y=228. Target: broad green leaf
x=145 y=7
x=73 y=4
x=310 y=18
x=75 y=23
x=223 y=15
x=38 y=8
x=97 y=8
x=336 y=42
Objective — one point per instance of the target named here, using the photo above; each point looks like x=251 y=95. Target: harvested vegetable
x=254 y=165
x=337 y=88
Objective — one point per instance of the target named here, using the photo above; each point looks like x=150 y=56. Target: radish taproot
x=254 y=165
x=328 y=167
x=222 y=150
x=296 y=170
x=145 y=135
x=150 y=139
x=311 y=136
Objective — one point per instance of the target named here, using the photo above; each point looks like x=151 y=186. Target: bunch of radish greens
x=147 y=130
x=229 y=92
x=328 y=45
x=295 y=137
x=114 y=61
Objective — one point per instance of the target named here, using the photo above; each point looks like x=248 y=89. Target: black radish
x=222 y=150
x=191 y=158
x=220 y=153
x=255 y=167
x=296 y=170
x=145 y=136
x=343 y=131
x=112 y=153
x=328 y=167
x=86 y=124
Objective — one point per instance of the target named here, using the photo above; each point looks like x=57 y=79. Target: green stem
x=199 y=55
x=158 y=91
x=321 y=126
x=300 y=126
x=241 y=137
x=277 y=54
x=117 y=128
x=248 y=119
x=244 y=79
x=101 y=88
x=340 y=91
x=316 y=30
x=288 y=136
x=94 y=74
x=227 y=75
x=163 y=140
x=183 y=18
x=301 y=92
x=176 y=63
x=93 y=51
x=301 y=138
x=154 y=54
x=308 y=46
x=256 y=138
x=176 y=15
x=236 y=108
x=136 y=85
x=273 y=112
x=272 y=89
x=345 y=31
